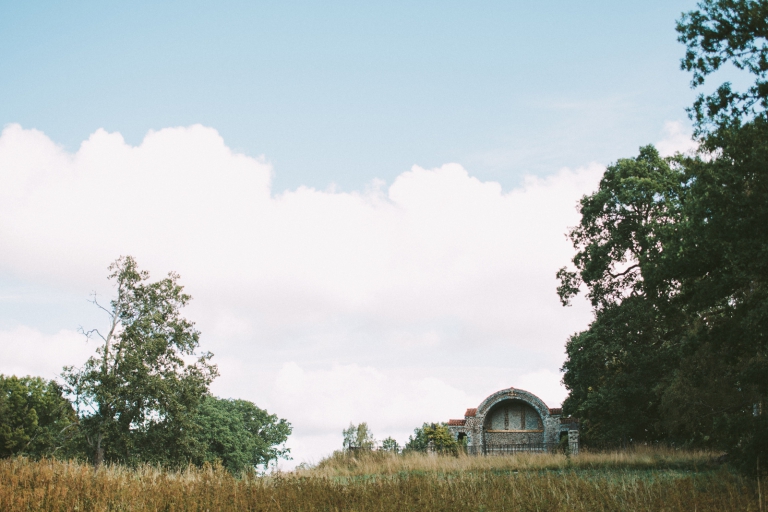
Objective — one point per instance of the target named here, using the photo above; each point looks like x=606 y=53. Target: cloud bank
x=395 y=305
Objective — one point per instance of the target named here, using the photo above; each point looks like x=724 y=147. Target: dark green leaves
x=620 y=239
x=718 y=33
x=239 y=434
x=35 y=419
x=674 y=256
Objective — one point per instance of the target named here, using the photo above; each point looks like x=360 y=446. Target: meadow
x=638 y=480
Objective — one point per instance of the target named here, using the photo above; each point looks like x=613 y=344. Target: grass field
x=642 y=480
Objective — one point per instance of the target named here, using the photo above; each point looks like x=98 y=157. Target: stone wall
x=552 y=429
x=496 y=438
x=513 y=415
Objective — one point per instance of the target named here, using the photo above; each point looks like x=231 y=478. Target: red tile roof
x=556 y=410
x=470 y=413
x=457 y=423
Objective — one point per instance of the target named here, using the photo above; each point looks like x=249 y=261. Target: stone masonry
x=514 y=420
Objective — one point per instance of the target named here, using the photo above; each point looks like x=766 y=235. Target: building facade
x=513 y=420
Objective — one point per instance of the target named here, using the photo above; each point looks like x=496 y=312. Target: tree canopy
x=672 y=253
x=358 y=436
x=239 y=434
x=137 y=396
x=437 y=434
x=35 y=418
x=718 y=33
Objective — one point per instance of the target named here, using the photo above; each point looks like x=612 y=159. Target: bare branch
x=88 y=334
x=95 y=301
x=622 y=274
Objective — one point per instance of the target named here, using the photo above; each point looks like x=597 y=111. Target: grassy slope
x=651 y=480
x=382 y=463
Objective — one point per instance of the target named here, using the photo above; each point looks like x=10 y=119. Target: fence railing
x=489 y=449
x=498 y=449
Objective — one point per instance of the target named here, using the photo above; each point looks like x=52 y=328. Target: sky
x=367 y=201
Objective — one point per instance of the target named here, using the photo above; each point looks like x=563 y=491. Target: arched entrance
x=512 y=422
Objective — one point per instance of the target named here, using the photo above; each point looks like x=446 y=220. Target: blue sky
x=367 y=201
x=344 y=92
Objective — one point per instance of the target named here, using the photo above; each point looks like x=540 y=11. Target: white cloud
x=677 y=139
x=394 y=305
x=392 y=402
x=547 y=384
x=27 y=351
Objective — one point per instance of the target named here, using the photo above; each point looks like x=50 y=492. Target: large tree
x=678 y=349
x=138 y=396
x=674 y=256
x=614 y=368
x=723 y=259
x=722 y=266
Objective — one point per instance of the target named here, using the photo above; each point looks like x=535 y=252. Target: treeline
x=429 y=437
x=673 y=255
x=143 y=397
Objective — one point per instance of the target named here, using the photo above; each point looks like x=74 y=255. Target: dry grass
x=384 y=463
x=590 y=482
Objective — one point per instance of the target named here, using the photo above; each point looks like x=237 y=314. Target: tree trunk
x=98 y=456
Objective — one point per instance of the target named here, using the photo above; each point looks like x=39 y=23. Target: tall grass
x=342 y=464
x=586 y=483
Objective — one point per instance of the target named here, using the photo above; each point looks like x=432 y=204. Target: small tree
x=390 y=445
x=438 y=434
x=138 y=395
x=358 y=437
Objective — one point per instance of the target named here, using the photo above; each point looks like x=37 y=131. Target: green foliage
x=613 y=369
x=435 y=436
x=723 y=270
x=35 y=419
x=138 y=395
x=724 y=32
x=239 y=434
x=721 y=260
x=673 y=254
x=674 y=261
x=358 y=437
x=143 y=398
x=390 y=445
x=622 y=231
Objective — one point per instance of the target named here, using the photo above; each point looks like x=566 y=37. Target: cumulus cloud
x=27 y=351
x=394 y=305
x=677 y=139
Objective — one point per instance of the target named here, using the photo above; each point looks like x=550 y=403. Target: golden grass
x=590 y=482
x=383 y=463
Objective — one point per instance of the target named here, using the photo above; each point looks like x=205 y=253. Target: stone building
x=513 y=420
